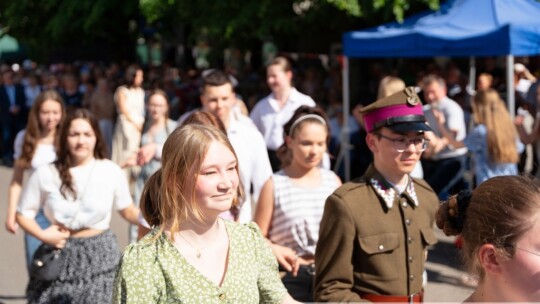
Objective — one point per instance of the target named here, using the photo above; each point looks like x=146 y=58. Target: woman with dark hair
x=292 y=201
x=129 y=100
x=34 y=146
x=77 y=193
x=499 y=223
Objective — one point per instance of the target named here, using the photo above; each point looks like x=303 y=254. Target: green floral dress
x=156 y=272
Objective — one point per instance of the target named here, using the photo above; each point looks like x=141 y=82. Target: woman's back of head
x=499 y=212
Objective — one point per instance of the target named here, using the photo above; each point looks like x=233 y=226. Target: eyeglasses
x=523 y=249
x=402 y=144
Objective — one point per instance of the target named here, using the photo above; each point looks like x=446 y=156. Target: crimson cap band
x=402 y=112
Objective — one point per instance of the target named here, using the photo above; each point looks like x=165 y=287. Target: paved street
x=442 y=264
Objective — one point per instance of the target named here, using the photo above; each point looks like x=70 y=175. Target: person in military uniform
x=376 y=229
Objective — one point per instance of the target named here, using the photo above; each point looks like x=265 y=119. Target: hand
x=287 y=258
x=146 y=153
x=55 y=236
x=130 y=162
x=439 y=115
x=11 y=224
x=14 y=109
x=518 y=121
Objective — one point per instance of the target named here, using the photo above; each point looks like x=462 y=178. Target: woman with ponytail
x=500 y=223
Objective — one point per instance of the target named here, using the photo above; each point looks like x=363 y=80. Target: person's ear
x=490 y=259
x=288 y=141
x=372 y=142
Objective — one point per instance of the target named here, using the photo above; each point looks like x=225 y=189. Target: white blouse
x=44 y=154
x=100 y=184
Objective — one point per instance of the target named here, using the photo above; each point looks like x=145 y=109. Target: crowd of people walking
x=240 y=201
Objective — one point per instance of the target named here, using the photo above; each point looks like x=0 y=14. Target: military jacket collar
x=386 y=191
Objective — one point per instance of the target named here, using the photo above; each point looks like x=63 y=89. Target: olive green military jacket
x=373 y=240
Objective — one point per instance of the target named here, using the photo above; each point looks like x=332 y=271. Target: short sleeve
x=18 y=145
x=271 y=289
x=31 y=198
x=122 y=197
x=476 y=138
x=135 y=280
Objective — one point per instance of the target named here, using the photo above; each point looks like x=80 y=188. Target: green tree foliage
x=45 y=25
x=236 y=20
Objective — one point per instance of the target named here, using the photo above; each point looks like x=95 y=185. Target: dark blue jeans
x=31 y=244
x=445 y=176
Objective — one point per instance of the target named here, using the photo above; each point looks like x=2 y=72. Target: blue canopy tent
x=460 y=28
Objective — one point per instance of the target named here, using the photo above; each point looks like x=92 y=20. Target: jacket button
x=410 y=259
x=408 y=221
x=409 y=240
x=221 y=296
x=381 y=247
x=411 y=277
x=404 y=204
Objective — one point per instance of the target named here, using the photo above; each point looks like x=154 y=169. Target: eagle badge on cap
x=412 y=98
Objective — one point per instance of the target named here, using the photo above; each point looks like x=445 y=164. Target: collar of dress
x=388 y=194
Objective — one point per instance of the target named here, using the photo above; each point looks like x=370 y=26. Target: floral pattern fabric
x=156 y=272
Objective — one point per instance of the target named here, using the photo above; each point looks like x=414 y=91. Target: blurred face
x=277 y=78
x=308 y=144
x=49 y=115
x=219 y=100
x=138 y=79
x=483 y=83
x=218 y=181
x=522 y=272
x=434 y=92
x=387 y=158
x=157 y=107
x=81 y=140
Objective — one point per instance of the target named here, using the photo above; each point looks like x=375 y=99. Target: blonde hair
x=282 y=62
x=390 y=85
x=183 y=154
x=490 y=110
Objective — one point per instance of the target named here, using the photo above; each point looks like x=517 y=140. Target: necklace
x=200 y=249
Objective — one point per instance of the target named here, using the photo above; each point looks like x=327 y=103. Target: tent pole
x=510 y=98
x=472 y=74
x=345 y=149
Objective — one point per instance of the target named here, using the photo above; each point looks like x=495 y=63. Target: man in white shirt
x=275 y=110
x=219 y=98
x=445 y=166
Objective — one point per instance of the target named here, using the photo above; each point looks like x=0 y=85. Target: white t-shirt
x=100 y=184
x=270 y=119
x=253 y=162
x=454 y=121
x=44 y=154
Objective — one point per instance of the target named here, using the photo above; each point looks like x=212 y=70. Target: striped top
x=298 y=212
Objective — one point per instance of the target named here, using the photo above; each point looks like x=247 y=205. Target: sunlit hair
x=499 y=212
x=431 y=78
x=216 y=78
x=65 y=160
x=282 y=62
x=284 y=153
x=390 y=85
x=173 y=186
x=206 y=118
x=489 y=110
x=33 y=128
